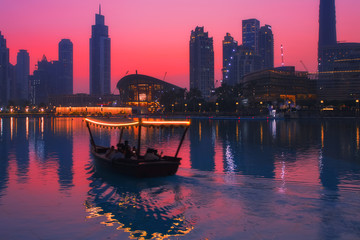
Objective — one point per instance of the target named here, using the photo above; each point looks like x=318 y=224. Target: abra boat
x=148 y=165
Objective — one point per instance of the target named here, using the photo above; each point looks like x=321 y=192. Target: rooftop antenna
x=282 y=56
x=99 y=9
x=164 y=76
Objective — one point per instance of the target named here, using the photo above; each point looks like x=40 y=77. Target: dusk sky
x=153 y=36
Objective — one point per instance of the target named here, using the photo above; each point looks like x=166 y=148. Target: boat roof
x=128 y=122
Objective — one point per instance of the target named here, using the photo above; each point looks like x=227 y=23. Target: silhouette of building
x=142 y=90
x=246 y=61
x=66 y=62
x=229 y=51
x=266 y=47
x=46 y=81
x=99 y=57
x=343 y=83
x=255 y=53
x=4 y=72
x=201 y=62
x=327 y=28
x=22 y=76
x=250 y=34
x=279 y=84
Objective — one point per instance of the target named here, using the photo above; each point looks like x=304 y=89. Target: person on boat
x=110 y=152
x=117 y=155
x=127 y=148
x=150 y=155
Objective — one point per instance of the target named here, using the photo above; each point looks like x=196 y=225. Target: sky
x=152 y=37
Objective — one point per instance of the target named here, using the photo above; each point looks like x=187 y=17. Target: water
x=238 y=180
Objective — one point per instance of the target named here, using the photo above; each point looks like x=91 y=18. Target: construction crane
x=282 y=56
x=304 y=65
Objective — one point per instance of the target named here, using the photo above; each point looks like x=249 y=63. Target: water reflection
x=318 y=161
x=147 y=209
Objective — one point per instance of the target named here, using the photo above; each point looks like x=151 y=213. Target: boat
x=132 y=162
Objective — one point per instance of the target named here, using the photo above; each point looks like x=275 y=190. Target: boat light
x=107 y=124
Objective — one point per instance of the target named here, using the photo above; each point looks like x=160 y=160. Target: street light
x=199 y=107
x=185 y=107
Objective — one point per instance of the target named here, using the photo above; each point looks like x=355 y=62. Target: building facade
x=229 y=52
x=280 y=84
x=201 y=62
x=250 y=34
x=266 y=47
x=142 y=90
x=99 y=57
x=4 y=72
x=246 y=61
x=342 y=85
x=22 y=76
x=66 y=62
x=327 y=30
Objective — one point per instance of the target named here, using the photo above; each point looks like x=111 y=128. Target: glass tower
x=99 y=57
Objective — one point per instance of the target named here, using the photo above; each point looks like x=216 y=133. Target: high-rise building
x=99 y=57
x=4 y=72
x=250 y=29
x=327 y=29
x=266 y=47
x=246 y=61
x=229 y=51
x=201 y=61
x=22 y=76
x=66 y=63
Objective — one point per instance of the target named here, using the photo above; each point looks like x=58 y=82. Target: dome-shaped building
x=142 y=90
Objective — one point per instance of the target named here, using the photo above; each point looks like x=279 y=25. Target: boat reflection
x=145 y=208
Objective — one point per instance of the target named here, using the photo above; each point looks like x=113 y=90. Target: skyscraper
x=66 y=65
x=201 y=61
x=266 y=47
x=327 y=28
x=99 y=57
x=229 y=51
x=250 y=29
x=22 y=76
x=4 y=72
x=327 y=23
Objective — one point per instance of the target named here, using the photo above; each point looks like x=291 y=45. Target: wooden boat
x=137 y=165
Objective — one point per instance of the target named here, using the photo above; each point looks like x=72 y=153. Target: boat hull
x=141 y=168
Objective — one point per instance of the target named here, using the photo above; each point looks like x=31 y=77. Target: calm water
x=238 y=180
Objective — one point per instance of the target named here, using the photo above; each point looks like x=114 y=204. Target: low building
x=279 y=84
x=94 y=110
x=342 y=84
x=141 y=90
x=83 y=100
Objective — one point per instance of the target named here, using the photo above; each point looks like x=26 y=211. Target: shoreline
x=185 y=116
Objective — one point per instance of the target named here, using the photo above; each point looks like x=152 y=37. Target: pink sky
x=153 y=36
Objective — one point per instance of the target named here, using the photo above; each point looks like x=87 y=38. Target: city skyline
x=145 y=43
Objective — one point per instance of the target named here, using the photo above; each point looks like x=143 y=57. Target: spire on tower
x=99 y=9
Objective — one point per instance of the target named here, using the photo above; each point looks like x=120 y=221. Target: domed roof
x=142 y=79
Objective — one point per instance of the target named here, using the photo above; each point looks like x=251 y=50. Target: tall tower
x=250 y=38
x=266 y=47
x=327 y=26
x=229 y=51
x=66 y=64
x=22 y=75
x=4 y=72
x=201 y=62
x=99 y=57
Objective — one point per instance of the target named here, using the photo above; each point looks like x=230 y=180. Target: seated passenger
x=117 y=155
x=150 y=155
x=110 y=152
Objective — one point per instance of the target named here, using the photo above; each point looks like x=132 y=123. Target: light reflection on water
x=237 y=178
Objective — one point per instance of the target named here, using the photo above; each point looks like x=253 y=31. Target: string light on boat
x=108 y=124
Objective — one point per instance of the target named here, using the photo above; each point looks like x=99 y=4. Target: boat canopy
x=125 y=122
